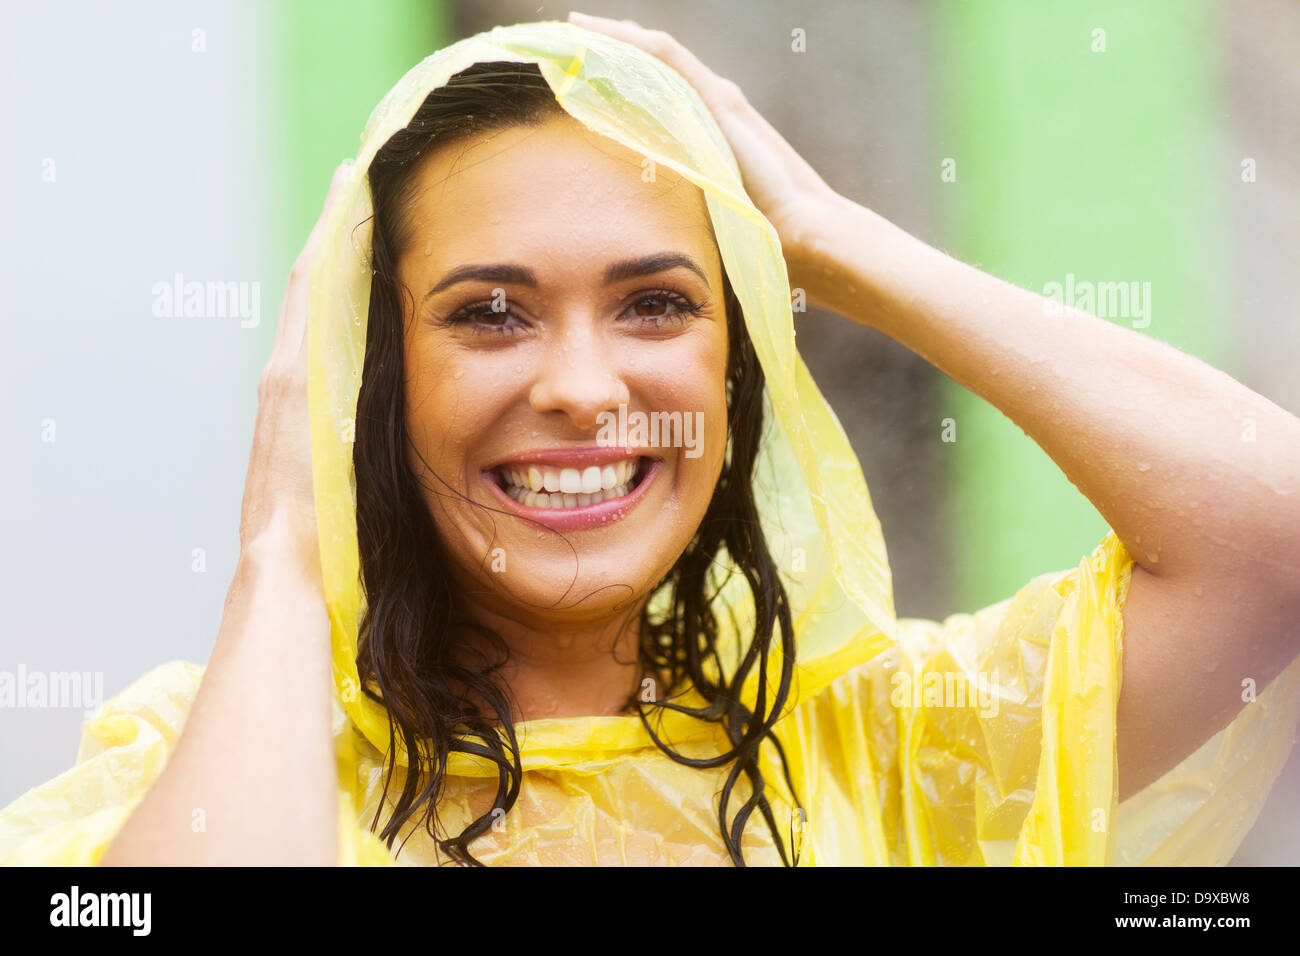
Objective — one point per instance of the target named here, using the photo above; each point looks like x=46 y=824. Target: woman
x=556 y=638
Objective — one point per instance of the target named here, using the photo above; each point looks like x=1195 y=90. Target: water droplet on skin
x=1144 y=466
x=458 y=373
x=518 y=369
x=428 y=248
x=1200 y=591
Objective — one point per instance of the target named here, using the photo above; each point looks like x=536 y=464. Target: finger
x=717 y=93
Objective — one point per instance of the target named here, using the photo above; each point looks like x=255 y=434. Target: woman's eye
x=483 y=318
x=656 y=308
x=650 y=309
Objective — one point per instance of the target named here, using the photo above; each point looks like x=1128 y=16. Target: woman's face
x=565 y=366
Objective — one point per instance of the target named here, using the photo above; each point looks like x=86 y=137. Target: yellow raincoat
x=988 y=738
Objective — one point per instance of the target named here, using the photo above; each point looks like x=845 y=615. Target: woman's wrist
x=853 y=261
x=285 y=548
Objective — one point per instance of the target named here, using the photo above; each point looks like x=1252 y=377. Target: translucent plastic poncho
x=988 y=738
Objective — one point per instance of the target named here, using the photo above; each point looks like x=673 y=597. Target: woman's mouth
x=574 y=497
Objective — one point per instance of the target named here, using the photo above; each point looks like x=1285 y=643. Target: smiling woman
x=563 y=283
x=482 y=634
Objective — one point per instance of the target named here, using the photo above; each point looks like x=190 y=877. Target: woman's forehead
x=553 y=186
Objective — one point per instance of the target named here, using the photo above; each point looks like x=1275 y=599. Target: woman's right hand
x=279 y=504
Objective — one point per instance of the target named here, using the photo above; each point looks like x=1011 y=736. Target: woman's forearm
x=252 y=779
x=1197 y=474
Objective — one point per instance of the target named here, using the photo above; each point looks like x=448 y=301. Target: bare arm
x=253 y=779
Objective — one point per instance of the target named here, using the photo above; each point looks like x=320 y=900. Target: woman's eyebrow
x=649 y=265
x=515 y=275
x=616 y=272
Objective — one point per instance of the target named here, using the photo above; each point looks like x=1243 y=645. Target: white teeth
x=542 y=499
x=538 y=486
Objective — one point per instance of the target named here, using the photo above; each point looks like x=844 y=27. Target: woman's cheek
x=436 y=418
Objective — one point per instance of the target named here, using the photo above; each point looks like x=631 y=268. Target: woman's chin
x=592 y=591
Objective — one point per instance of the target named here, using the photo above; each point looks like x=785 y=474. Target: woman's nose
x=579 y=377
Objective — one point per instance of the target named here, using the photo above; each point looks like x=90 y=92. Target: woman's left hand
x=780 y=182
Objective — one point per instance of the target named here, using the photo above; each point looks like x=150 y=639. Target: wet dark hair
x=406 y=658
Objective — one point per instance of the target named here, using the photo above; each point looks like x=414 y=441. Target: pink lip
x=582 y=518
